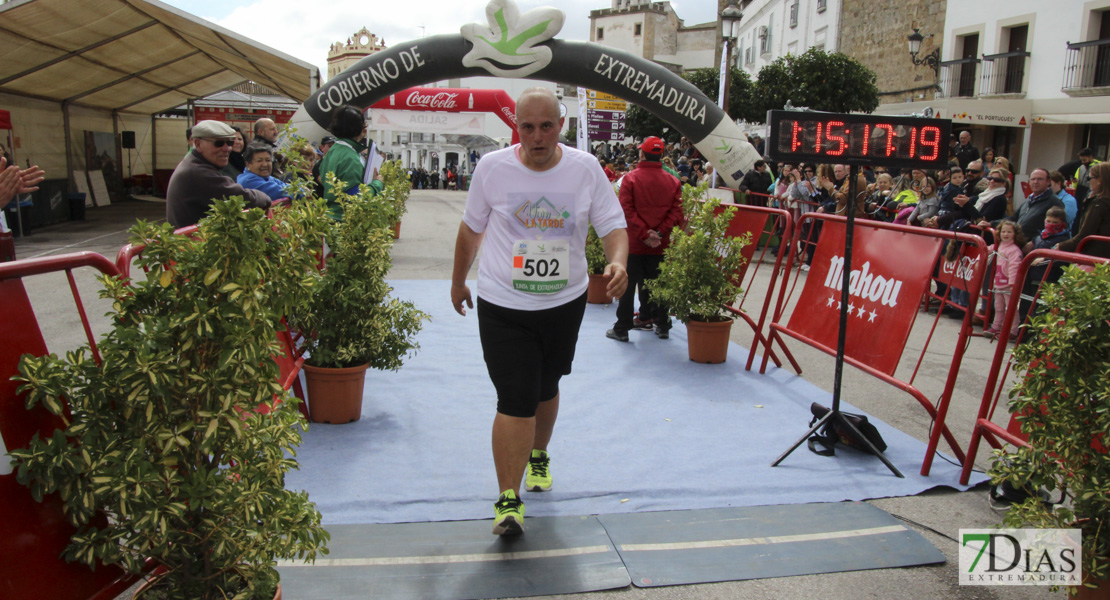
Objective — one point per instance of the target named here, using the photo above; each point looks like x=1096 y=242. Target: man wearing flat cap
x=197 y=180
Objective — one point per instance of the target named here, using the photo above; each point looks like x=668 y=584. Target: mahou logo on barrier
x=890 y=270
x=440 y=100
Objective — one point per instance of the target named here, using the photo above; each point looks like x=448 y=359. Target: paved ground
x=425 y=252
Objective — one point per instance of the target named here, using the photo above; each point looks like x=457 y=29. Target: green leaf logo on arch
x=507 y=47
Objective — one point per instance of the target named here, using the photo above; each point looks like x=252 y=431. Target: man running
x=535 y=202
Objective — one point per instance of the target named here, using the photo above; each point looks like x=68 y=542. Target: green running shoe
x=508 y=514
x=539 y=472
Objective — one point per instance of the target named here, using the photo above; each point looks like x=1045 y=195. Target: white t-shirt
x=535 y=224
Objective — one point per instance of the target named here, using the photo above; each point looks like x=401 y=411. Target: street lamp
x=730 y=32
x=931 y=60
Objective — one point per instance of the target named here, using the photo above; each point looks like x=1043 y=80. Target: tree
x=640 y=123
x=826 y=81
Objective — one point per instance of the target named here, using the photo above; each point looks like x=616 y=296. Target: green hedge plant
x=698 y=275
x=164 y=454
x=350 y=318
x=1063 y=403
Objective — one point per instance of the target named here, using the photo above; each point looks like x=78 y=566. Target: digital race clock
x=834 y=138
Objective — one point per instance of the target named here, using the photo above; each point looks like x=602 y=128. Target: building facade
x=771 y=29
x=876 y=33
x=360 y=45
x=1028 y=79
x=654 y=31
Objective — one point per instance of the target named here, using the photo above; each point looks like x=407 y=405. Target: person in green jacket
x=345 y=159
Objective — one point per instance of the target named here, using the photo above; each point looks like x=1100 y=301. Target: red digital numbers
x=861 y=139
x=889 y=136
x=838 y=138
x=933 y=142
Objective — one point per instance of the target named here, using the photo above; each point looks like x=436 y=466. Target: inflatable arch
x=515 y=45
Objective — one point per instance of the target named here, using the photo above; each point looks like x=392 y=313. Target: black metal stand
x=834 y=417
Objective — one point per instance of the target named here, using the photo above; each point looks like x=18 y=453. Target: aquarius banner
x=890 y=270
x=516 y=45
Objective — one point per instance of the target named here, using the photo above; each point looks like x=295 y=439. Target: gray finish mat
x=458 y=559
x=730 y=544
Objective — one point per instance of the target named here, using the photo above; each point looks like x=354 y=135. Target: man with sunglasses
x=974 y=182
x=197 y=180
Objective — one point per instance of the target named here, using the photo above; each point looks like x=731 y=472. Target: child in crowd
x=1055 y=230
x=1007 y=253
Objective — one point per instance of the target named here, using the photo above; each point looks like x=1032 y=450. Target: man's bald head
x=541 y=95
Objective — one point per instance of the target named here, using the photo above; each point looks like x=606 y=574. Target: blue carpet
x=641 y=429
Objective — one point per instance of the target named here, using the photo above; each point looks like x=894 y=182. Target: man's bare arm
x=616 y=250
x=466 y=249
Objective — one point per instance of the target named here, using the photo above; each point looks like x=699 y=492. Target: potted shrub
x=350 y=322
x=175 y=448
x=1063 y=403
x=396 y=192
x=595 y=264
x=698 y=275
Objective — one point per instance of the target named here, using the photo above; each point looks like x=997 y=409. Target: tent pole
x=154 y=153
x=69 y=148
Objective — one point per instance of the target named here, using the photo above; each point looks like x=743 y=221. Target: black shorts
x=528 y=351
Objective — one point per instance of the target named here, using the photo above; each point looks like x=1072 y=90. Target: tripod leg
x=805 y=437
x=840 y=419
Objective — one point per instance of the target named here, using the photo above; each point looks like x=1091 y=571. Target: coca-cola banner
x=960 y=273
x=890 y=270
x=428 y=122
x=516 y=45
x=457 y=100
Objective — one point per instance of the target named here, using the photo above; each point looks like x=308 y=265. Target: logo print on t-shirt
x=541 y=215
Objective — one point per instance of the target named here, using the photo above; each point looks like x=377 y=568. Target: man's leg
x=546 y=414
x=513 y=438
x=625 y=306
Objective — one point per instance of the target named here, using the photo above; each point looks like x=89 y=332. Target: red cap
x=652 y=145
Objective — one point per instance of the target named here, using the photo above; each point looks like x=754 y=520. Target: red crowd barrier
x=759 y=221
x=892 y=266
x=34 y=534
x=985 y=428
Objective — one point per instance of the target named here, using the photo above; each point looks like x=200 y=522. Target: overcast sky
x=305 y=29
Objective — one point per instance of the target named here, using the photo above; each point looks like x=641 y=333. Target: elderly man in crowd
x=197 y=180
x=965 y=152
x=266 y=131
x=260 y=163
x=1030 y=217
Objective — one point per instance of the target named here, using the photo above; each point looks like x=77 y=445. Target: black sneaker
x=620 y=336
x=662 y=333
x=639 y=325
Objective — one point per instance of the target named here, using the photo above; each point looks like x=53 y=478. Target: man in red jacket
x=652 y=202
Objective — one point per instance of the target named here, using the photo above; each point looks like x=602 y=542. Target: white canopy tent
x=129 y=57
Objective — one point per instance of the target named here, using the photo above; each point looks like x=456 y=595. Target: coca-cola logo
x=440 y=100
x=964 y=268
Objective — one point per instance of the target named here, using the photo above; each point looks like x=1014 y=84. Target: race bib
x=541 y=266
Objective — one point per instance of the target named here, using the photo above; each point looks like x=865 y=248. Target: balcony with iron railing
x=1087 y=69
x=957 y=78
x=1004 y=75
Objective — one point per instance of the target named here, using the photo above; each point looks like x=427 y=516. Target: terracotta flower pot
x=708 y=341
x=595 y=293
x=335 y=395
x=397 y=230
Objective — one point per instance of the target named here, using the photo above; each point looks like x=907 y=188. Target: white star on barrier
x=873 y=315
x=831 y=300
x=860 y=312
